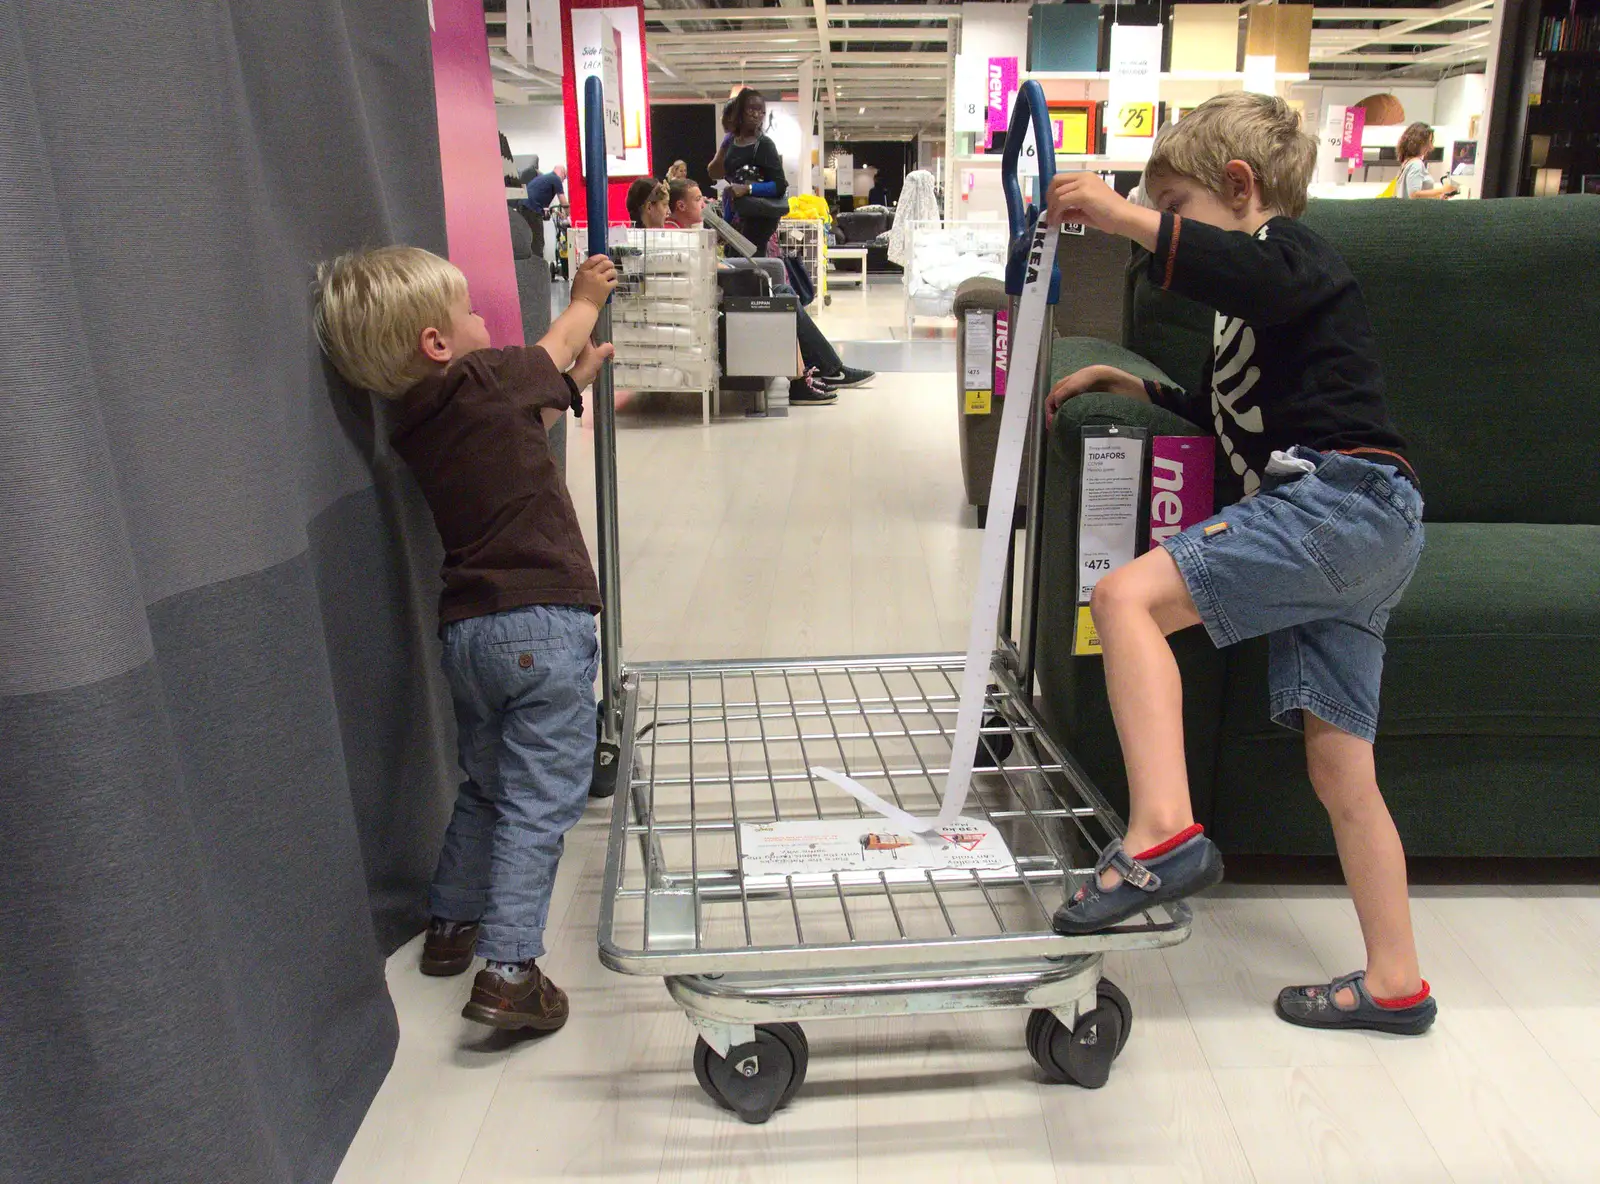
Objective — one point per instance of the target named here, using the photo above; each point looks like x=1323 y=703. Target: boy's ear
x=434 y=347
x=1241 y=184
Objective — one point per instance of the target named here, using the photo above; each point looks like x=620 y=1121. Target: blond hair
x=372 y=307
x=1261 y=130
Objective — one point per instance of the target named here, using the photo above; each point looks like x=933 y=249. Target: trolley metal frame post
x=708 y=748
x=608 y=747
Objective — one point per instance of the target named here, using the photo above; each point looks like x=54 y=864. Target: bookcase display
x=1561 y=149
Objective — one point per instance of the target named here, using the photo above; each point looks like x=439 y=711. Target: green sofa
x=1487 y=315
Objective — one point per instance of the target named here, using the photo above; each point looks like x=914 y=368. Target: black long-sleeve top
x=1294 y=360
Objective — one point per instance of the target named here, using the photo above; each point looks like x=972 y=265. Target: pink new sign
x=1181 y=474
x=1002 y=89
x=1002 y=350
x=1355 y=126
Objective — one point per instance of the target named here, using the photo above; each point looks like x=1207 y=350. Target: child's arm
x=583 y=372
x=1119 y=382
x=570 y=333
x=1263 y=280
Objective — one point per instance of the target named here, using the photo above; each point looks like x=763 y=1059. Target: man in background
x=548 y=189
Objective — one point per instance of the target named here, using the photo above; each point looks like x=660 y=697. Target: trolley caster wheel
x=754 y=1080
x=603 y=777
x=993 y=750
x=1082 y=1055
x=603 y=783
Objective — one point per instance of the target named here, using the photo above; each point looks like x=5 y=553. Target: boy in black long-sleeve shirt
x=1315 y=557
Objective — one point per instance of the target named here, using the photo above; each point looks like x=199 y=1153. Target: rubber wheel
x=607 y=758
x=1109 y=992
x=781 y=1053
x=1082 y=1055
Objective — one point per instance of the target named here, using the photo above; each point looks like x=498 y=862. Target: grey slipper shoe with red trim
x=1186 y=863
x=1316 y=1007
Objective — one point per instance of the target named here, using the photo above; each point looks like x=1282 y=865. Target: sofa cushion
x=1498 y=635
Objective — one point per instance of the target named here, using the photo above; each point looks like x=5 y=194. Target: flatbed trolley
x=705 y=747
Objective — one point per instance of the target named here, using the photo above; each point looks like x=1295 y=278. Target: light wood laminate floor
x=843 y=530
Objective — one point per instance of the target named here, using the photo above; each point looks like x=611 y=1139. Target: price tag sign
x=1133 y=90
x=977 y=374
x=611 y=85
x=1110 y=482
x=1136 y=120
x=972 y=98
x=1028 y=158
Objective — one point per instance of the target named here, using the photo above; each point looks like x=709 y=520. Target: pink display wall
x=475 y=216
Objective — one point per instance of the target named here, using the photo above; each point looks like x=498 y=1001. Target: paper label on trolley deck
x=775 y=852
x=1028 y=331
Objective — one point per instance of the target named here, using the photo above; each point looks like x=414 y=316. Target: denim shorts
x=1316 y=562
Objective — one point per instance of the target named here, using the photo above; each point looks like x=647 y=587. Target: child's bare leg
x=1134 y=609
x=1346 y=780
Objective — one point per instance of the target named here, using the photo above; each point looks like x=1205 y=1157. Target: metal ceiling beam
x=1343 y=41
x=1390 y=14
x=855 y=12
x=830 y=90
x=766 y=36
x=1396 y=33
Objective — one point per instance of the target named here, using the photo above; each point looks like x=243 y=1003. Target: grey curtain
x=225 y=757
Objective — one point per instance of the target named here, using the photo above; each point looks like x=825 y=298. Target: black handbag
x=761 y=209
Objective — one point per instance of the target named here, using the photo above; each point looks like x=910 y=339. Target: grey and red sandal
x=1316 y=1007
x=1186 y=863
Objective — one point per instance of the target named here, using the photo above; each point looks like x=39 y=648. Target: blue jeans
x=1316 y=562
x=523 y=685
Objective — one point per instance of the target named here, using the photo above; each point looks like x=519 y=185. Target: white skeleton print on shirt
x=1233 y=379
x=1293 y=360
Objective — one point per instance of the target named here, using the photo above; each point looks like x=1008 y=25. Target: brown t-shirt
x=477 y=444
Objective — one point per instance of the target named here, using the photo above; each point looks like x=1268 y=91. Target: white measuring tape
x=1014 y=424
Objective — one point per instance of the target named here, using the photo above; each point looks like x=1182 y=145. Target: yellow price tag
x=978 y=402
x=1136 y=119
x=1086 y=640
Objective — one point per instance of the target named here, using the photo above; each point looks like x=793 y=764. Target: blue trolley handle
x=1030 y=106
x=594 y=162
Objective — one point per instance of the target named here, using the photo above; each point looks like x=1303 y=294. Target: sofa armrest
x=1068 y=354
x=1072 y=690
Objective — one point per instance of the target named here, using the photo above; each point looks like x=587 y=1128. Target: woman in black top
x=749 y=161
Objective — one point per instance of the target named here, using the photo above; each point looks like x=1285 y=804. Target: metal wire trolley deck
x=711 y=753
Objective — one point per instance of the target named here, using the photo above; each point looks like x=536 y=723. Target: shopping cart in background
x=714 y=758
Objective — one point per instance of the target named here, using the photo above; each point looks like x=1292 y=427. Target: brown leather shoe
x=448 y=947
x=535 y=1002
